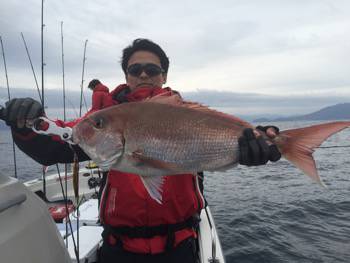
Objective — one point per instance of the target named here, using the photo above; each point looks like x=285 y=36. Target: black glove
x=256 y=151
x=264 y=128
x=21 y=112
x=275 y=154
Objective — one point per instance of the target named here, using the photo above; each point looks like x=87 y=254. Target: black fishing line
x=334 y=146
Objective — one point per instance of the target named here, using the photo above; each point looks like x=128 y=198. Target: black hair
x=93 y=83
x=142 y=44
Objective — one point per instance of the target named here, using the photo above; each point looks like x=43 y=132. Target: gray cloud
x=266 y=47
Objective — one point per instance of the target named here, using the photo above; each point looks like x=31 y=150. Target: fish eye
x=98 y=123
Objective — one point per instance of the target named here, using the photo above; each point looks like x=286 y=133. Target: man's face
x=144 y=57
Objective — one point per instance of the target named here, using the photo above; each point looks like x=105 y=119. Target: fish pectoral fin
x=154 y=186
x=159 y=164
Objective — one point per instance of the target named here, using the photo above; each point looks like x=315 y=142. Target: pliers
x=45 y=126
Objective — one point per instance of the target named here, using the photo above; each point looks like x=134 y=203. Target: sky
x=290 y=49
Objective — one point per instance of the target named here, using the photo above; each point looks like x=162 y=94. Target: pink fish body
x=167 y=137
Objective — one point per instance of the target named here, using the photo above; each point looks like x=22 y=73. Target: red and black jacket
x=126 y=206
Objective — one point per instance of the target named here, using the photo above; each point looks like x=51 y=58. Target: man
x=100 y=96
x=136 y=227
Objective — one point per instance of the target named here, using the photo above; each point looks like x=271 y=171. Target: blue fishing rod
x=9 y=97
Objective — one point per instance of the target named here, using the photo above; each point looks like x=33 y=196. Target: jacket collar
x=123 y=93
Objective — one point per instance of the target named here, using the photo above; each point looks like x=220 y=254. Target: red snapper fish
x=167 y=136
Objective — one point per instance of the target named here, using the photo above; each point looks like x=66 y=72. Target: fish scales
x=198 y=142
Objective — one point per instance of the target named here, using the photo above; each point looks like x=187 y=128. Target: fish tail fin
x=298 y=145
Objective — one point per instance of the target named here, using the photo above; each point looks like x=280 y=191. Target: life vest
x=126 y=203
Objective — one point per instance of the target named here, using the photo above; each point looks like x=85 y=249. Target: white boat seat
x=90 y=240
x=88 y=212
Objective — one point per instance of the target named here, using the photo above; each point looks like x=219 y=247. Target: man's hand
x=255 y=150
x=21 y=112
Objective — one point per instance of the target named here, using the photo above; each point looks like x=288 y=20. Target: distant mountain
x=335 y=112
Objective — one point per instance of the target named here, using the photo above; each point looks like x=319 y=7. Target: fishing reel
x=94 y=182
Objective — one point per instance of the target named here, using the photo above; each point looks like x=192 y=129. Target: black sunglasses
x=149 y=68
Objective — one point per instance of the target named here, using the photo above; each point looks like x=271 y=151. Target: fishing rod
x=42 y=79
x=68 y=221
x=64 y=119
x=31 y=65
x=82 y=79
x=65 y=191
x=63 y=76
x=9 y=98
x=76 y=162
x=76 y=193
x=85 y=104
x=42 y=53
x=73 y=107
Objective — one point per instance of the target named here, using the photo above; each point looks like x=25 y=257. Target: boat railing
x=213 y=258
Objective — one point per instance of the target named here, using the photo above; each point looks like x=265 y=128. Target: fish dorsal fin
x=154 y=186
x=176 y=100
x=166 y=98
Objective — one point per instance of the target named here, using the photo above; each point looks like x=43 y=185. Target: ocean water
x=270 y=213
